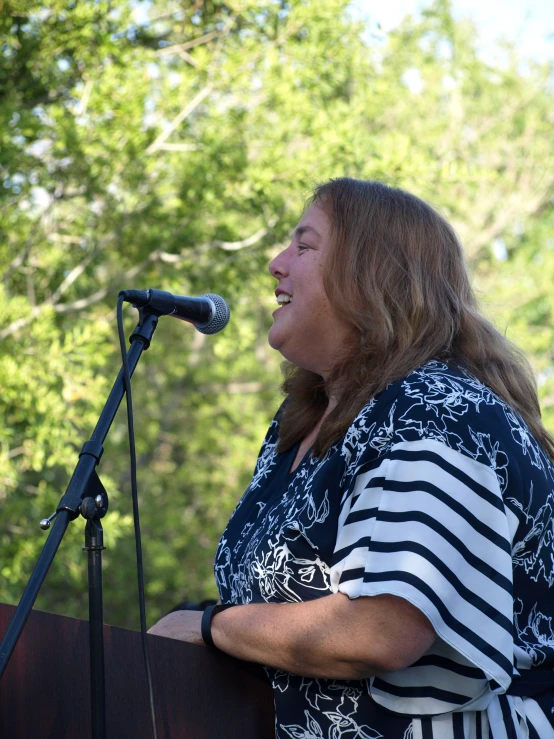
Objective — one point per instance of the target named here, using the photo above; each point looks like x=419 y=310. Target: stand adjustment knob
x=88 y=508
x=94 y=507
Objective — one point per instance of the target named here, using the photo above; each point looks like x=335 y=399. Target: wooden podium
x=200 y=693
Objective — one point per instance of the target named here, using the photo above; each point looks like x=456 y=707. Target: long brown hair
x=396 y=272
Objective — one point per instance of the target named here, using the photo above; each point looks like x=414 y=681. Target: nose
x=279 y=266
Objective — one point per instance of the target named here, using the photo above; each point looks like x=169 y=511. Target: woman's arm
x=330 y=637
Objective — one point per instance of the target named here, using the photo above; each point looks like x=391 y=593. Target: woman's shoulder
x=445 y=401
x=435 y=396
x=446 y=404
x=439 y=402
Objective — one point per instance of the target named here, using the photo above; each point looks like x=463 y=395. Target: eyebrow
x=302 y=229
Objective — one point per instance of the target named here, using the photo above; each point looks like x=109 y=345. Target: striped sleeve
x=428 y=524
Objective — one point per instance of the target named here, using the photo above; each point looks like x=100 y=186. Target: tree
x=176 y=152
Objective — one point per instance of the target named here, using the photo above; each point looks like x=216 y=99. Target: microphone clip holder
x=147 y=324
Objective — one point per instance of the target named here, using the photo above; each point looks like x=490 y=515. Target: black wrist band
x=206 y=626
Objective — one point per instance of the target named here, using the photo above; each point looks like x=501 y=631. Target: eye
x=302 y=247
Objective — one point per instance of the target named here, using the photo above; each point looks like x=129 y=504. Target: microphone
x=208 y=314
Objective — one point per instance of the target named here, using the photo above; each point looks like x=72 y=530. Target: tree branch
x=249 y=241
x=255 y=238
x=131 y=273
x=189 y=44
x=186 y=111
x=180 y=147
x=188 y=58
x=75 y=273
x=18 y=261
x=83 y=103
x=51 y=301
x=506 y=216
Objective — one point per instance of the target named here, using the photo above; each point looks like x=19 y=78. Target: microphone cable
x=134 y=497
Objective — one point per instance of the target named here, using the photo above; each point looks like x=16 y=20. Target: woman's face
x=306 y=329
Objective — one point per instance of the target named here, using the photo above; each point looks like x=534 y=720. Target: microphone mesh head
x=220 y=315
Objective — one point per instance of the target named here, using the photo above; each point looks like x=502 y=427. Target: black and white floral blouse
x=437 y=494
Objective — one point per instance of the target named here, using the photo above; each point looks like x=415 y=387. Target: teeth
x=283 y=298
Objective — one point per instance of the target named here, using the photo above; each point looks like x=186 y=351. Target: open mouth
x=284 y=299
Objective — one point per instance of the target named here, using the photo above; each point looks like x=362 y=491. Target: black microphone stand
x=85 y=495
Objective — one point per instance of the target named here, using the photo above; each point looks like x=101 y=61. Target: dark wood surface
x=200 y=693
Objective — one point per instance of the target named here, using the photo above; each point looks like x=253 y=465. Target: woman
x=391 y=560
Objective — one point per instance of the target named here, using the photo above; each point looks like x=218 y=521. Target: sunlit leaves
x=175 y=149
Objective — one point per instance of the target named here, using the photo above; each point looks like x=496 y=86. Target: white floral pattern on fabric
x=437 y=493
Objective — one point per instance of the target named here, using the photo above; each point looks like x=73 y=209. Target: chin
x=277 y=340
x=273 y=340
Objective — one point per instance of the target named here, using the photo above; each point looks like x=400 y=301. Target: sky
x=530 y=23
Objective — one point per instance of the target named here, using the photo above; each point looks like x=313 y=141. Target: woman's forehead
x=314 y=221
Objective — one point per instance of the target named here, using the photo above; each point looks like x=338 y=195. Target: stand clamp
x=94 y=504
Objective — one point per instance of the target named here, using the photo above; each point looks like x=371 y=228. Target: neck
x=332 y=404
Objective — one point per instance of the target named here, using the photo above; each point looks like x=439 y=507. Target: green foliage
x=178 y=154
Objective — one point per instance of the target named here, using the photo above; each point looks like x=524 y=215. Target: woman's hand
x=181 y=625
